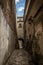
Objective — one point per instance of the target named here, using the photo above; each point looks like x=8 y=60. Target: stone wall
x=7 y=39
x=39 y=34
x=29 y=29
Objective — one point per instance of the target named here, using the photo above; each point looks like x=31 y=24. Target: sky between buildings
x=20 y=5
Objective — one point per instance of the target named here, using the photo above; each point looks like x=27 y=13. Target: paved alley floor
x=20 y=57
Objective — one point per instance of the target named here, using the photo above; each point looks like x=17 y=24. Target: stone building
x=8 y=36
x=33 y=27
x=21 y=38
x=20 y=30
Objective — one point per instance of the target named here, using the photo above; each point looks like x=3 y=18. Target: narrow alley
x=21 y=32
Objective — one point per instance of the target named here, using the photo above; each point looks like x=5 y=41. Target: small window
x=20 y=26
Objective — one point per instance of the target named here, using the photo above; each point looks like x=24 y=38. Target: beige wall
x=7 y=39
x=20 y=31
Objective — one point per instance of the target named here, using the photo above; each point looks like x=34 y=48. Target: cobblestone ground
x=20 y=57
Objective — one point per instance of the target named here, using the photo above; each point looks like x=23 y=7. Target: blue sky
x=20 y=4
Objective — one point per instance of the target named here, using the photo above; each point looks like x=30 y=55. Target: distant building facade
x=20 y=29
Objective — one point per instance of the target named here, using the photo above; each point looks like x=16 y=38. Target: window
x=20 y=26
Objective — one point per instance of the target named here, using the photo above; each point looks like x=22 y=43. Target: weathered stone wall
x=39 y=34
x=29 y=29
x=7 y=39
